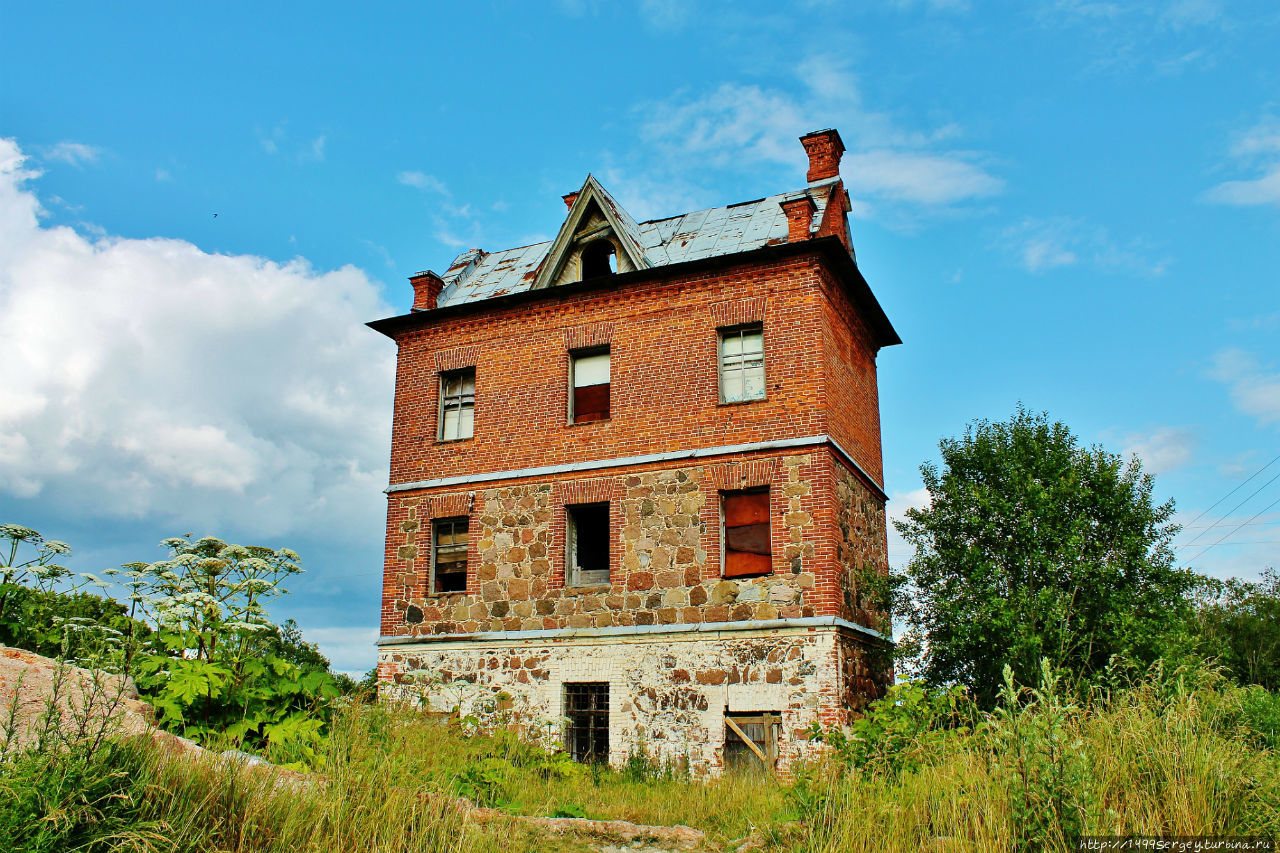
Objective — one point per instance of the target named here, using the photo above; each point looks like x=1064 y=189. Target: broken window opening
x=599 y=258
x=747 y=549
x=449 y=555
x=588 y=537
x=587 y=712
x=751 y=741
x=742 y=363
x=457 y=404
x=589 y=371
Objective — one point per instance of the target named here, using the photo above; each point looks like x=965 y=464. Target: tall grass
x=1180 y=753
x=1164 y=755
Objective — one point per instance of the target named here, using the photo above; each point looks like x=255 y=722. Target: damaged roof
x=475 y=275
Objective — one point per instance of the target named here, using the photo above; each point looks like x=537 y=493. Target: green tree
x=1034 y=547
x=1237 y=623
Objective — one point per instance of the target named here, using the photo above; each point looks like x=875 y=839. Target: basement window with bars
x=742 y=363
x=449 y=555
x=587 y=712
x=746 y=533
x=457 y=404
x=751 y=741
x=589 y=375
x=588 y=538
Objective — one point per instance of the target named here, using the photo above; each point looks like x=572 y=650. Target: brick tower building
x=636 y=483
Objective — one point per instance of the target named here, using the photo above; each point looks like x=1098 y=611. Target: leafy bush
x=900 y=730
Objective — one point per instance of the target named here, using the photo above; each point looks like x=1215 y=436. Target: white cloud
x=1256 y=148
x=900 y=551
x=1254 y=389
x=162 y=174
x=1160 y=450
x=349 y=650
x=1045 y=244
x=670 y=15
x=928 y=179
x=148 y=378
x=74 y=153
x=423 y=181
x=1263 y=190
x=735 y=125
x=314 y=152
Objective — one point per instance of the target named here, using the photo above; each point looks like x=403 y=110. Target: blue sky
x=1075 y=205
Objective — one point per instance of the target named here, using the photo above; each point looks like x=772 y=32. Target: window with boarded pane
x=588 y=535
x=457 y=404
x=742 y=363
x=590 y=375
x=751 y=741
x=449 y=556
x=587 y=712
x=746 y=533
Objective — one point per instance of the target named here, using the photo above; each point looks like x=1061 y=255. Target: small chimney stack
x=570 y=198
x=799 y=213
x=426 y=290
x=825 y=148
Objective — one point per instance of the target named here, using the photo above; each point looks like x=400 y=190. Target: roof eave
x=830 y=248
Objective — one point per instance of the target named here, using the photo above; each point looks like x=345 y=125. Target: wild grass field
x=1174 y=753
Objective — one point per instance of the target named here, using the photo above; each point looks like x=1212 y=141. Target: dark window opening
x=751 y=741
x=587 y=711
x=588 y=537
x=449 y=557
x=746 y=533
x=590 y=401
x=457 y=404
x=598 y=259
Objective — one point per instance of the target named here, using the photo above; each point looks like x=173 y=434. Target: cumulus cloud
x=146 y=378
x=1044 y=244
x=423 y=181
x=1160 y=450
x=1254 y=389
x=735 y=124
x=73 y=153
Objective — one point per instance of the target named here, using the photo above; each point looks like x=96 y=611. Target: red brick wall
x=664 y=374
x=820 y=375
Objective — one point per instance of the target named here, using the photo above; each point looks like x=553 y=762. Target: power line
x=1233 y=491
x=1237 y=506
x=1215 y=544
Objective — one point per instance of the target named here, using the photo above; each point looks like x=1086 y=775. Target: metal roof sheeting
x=476 y=275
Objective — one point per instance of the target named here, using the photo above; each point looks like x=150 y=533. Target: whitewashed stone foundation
x=668 y=692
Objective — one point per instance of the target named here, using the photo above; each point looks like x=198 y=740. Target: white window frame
x=463 y=403
x=741 y=331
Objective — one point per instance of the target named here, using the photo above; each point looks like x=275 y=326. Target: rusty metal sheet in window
x=746 y=508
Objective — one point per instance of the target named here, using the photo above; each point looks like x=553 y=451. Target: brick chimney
x=426 y=290
x=570 y=198
x=799 y=212
x=824 y=148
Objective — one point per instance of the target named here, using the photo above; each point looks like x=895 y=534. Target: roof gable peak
x=595 y=228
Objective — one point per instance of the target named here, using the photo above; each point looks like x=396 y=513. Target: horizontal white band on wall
x=643 y=459
x=500 y=637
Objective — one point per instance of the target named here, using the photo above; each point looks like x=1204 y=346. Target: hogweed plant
x=210 y=670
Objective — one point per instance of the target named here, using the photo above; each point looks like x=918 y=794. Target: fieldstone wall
x=665 y=558
x=668 y=693
x=861 y=552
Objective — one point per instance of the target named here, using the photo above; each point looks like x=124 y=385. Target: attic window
x=598 y=258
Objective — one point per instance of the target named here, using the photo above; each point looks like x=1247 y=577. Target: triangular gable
x=620 y=225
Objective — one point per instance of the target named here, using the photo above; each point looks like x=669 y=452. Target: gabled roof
x=475 y=275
